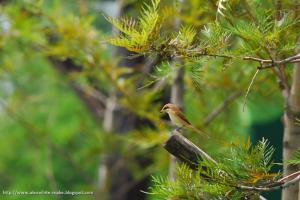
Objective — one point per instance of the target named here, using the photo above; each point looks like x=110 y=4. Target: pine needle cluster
x=251 y=30
x=137 y=35
x=295 y=159
x=244 y=165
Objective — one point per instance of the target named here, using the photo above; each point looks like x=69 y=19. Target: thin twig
x=262 y=61
x=267 y=189
x=248 y=90
x=289 y=59
x=289 y=176
x=292 y=59
x=295 y=61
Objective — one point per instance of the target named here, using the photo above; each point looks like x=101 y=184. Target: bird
x=178 y=118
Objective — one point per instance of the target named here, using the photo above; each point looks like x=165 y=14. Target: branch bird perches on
x=190 y=154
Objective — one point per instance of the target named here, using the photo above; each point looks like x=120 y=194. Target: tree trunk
x=176 y=98
x=115 y=180
x=177 y=88
x=291 y=138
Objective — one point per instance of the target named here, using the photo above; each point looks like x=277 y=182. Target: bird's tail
x=198 y=131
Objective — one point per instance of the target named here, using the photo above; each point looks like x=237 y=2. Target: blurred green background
x=52 y=135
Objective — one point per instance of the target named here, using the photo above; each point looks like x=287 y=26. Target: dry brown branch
x=185 y=150
x=220 y=108
x=273 y=63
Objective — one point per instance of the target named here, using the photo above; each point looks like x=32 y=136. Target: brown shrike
x=178 y=119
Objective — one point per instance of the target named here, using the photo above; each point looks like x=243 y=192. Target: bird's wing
x=181 y=115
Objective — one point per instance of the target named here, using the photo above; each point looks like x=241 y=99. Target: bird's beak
x=162 y=111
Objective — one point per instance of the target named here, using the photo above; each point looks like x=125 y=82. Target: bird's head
x=168 y=108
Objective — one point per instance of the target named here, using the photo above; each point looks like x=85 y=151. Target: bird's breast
x=175 y=119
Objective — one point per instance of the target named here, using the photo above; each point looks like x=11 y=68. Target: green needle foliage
x=146 y=35
x=295 y=160
x=243 y=165
x=137 y=35
x=233 y=35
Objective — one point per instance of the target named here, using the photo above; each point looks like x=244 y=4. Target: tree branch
x=185 y=150
x=273 y=63
x=217 y=111
x=94 y=100
x=271 y=188
x=289 y=176
x=189 y=153
x=292 y=59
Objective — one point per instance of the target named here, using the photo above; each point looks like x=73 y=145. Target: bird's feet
x=179 y=129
